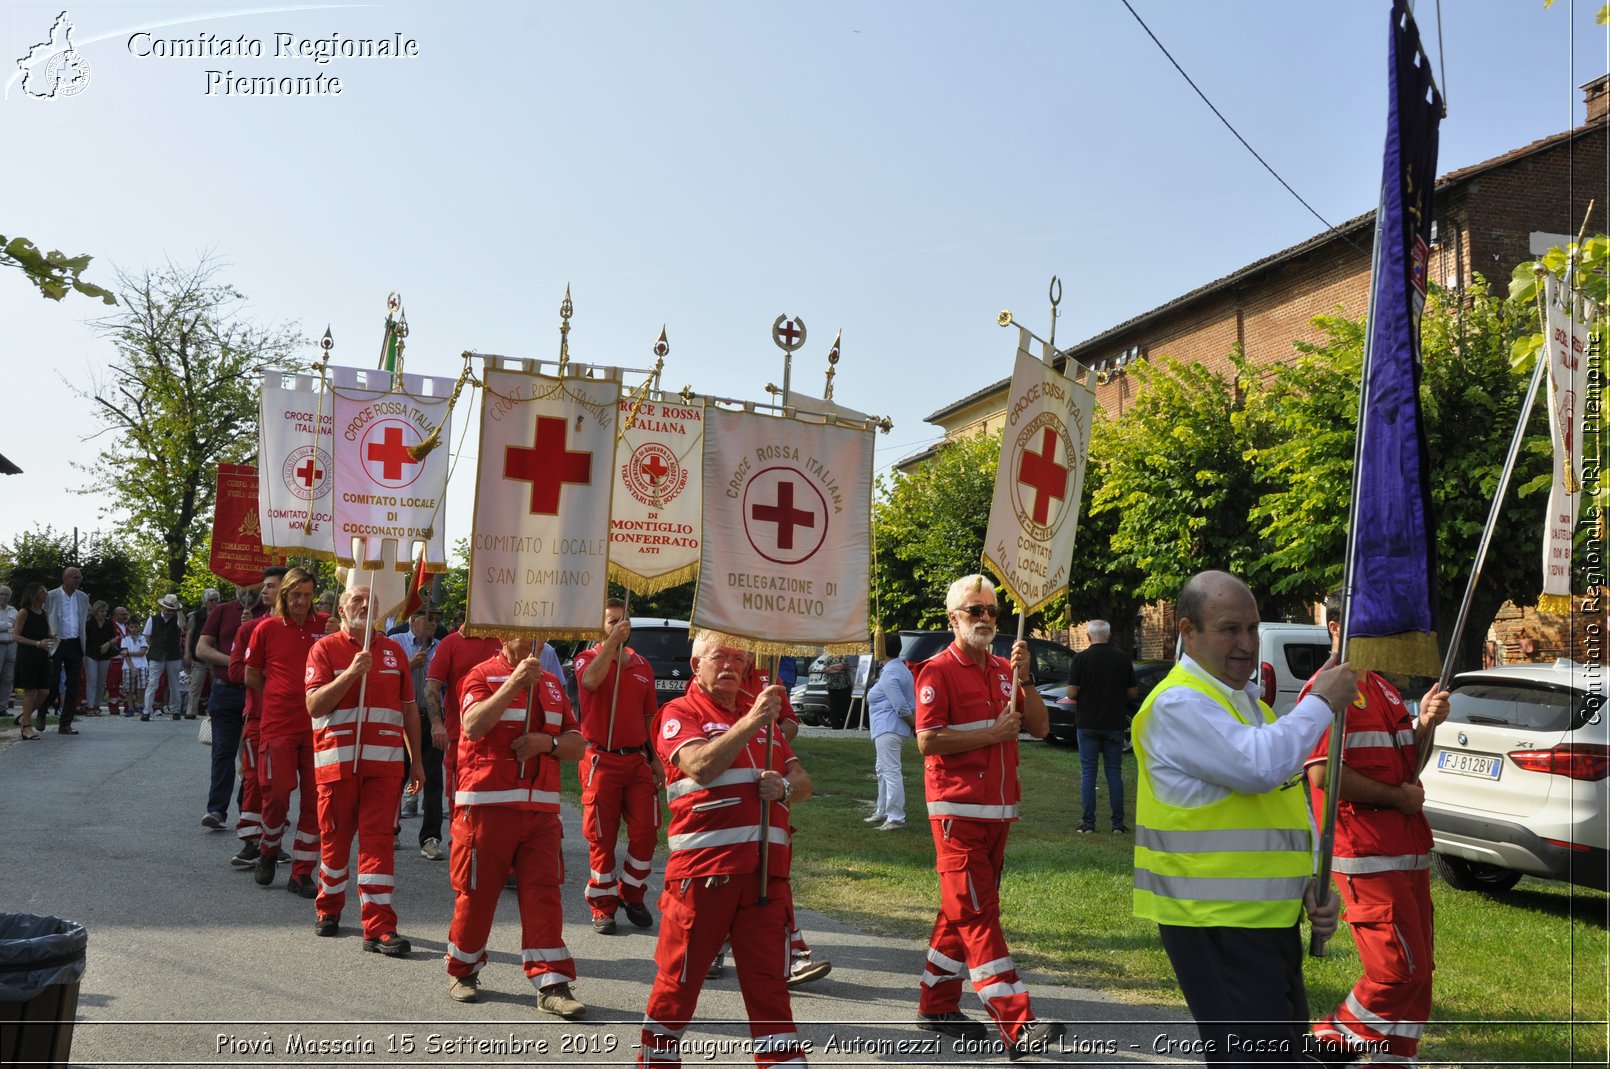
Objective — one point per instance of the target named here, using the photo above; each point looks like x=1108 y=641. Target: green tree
x=112 y=572
x=928 y=530
x=178 y=397
x=1101 y=585
x=1470 y=399
x=53 y=273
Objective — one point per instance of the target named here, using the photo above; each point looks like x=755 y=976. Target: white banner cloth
x=539 y=553
x=1034 y=516
x=659 y=483
x=295 y=473
x=381 y=493
x=1565 y=345
x=787 y=532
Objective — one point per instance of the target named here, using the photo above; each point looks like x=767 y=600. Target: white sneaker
x=431 y=850
x=890 y=825
x=875 y=818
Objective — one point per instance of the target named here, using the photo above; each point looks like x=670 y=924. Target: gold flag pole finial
x=566 y=310
x=832 y=365
x=326 y=344
x=1005 y=318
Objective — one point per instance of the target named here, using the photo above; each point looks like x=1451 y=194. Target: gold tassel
x=422 y=449
x=1556 y=604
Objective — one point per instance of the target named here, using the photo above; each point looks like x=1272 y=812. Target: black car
x=1061 y=708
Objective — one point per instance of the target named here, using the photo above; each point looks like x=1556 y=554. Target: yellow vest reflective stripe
x=1242 y=861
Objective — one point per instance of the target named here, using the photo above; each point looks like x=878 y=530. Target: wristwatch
x=788 y=788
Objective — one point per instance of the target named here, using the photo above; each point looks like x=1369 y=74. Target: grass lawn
x=1522 y=977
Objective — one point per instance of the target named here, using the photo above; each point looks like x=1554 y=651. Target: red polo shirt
x=279 y=650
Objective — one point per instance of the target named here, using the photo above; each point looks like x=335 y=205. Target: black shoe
x=804 y=970
x=391 y=945
x=638 y=914
x=1086 y=829
x=215 y=821
x=263 y=870
x=603 y=924
x=247 y=858
x=327 y=925
x=1120 y=829
x=955 y=1024
x=302 y=885
x=145 y=716
x=1037 y=1037
x=717 y=969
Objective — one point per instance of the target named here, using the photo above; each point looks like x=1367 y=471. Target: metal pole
x=765 y=807
x=615 y=692
x=368 y=632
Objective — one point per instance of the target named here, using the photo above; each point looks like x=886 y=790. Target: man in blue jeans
x=1103 y=683
x=226 y=703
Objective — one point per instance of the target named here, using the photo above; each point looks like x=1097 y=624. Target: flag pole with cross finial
x=326 y=343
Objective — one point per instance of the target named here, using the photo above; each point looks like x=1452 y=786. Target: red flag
x=416 y=588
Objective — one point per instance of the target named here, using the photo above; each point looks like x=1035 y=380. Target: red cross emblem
x=547 y=465
x=785 y=515
x=1044 y=467
x=385 y=453
x=309 y=473
x=789 y=334
x=653 y=475
x=306 y=472
x=1041 y=472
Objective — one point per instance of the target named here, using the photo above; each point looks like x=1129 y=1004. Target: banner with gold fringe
x=659 y=489
x=539 y=549
x=1565 y=341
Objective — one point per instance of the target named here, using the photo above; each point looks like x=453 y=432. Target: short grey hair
x=1098 y=630
x=210 y=594
x=5 y=590
x=967 y=584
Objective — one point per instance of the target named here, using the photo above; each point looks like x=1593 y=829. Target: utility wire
x=1237 y=133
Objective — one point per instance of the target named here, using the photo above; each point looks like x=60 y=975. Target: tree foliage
x=928 y=530
x=178 y=396
x=53 y=273
x=112 y=572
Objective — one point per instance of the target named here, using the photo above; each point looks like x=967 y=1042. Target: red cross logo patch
x=384 y=452
x=306 y=472
x=1042 y=467
x=654 y=475
x=785 y=516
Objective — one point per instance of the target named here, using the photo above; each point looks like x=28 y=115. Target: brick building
x=1489 y=217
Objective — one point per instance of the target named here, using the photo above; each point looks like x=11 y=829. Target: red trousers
x=285 y=765
x=489 y=842
x=1390 y=914
x=967 y=932
x=365 y=806
x=250 y=824
x=695 y=919
x=616 y=786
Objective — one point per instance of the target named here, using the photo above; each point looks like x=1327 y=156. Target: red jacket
x=953 y=692
x=388 y=685
x=488 y=771
x=715 y=828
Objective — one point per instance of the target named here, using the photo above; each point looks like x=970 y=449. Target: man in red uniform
x=517 y=725
x=967 y=727
x=719 y=783
x=1382 y=863
x=457 y=654
x=276 y=664
x=619 y=775
x=362 y=705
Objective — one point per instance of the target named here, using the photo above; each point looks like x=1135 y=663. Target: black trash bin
x=41 y=963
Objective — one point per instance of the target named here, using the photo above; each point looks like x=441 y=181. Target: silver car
x=1516 y=784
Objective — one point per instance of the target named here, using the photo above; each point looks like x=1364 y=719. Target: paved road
x=191 y=963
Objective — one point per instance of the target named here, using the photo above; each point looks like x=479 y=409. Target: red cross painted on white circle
x=384 y=452
x=785 y=516
x=1043 y=468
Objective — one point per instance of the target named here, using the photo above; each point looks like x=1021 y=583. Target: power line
x=1236 y=132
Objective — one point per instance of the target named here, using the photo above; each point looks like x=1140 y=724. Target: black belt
x=623 y=751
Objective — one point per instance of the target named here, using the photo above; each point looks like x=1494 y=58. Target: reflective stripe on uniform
x=1222 y=888
x=749 y=833
x=968 y=810
x=1359 y=866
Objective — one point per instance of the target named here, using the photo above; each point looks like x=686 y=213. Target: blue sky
x=900 y=170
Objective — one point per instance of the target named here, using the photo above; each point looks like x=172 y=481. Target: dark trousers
x=838 y=707
x=69 y=655
x=1107 y=744
x=430 y=806
x=1244 y=986
x=226 y=707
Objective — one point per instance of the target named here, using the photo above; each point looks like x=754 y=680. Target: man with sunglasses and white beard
x=969 y=715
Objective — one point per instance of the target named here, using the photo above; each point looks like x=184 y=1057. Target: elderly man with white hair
x=1102 y=680
x=971 y=707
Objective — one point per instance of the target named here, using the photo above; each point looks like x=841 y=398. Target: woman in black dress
x=34 y=645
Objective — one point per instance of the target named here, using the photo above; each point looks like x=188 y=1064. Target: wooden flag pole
x=360 y=549
x=765 y=806
x=615 y=692
x=530 y=698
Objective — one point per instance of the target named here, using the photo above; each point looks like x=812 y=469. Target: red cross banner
x=1035 y=512
x=383 y=493
x=539 y=551
x=659 y=483
x=787 y=520
x=1566 y=347
x=237 y=533
x=296 y=475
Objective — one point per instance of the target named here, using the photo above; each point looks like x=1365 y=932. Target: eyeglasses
x=975 y=611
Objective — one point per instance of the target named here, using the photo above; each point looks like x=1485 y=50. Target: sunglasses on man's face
x=975 y=611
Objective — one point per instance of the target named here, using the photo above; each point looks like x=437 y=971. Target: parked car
x=1517 y=779
x=1288 y=656
x=1061 y=708
x=665 y=645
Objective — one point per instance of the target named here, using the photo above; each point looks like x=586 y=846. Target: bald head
x=1218 y=622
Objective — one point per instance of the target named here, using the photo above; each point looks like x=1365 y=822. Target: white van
x=1288 y=656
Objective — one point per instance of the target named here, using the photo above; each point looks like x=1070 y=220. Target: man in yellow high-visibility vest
x=1224 y=844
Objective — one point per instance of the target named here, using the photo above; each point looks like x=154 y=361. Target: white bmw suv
x=1517 y=780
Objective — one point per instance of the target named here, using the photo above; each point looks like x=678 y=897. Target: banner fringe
x=1409 y=653
x=646 y=585
x=1556 y=604
x=302 y=551
x=594 y=634
x=765 y=647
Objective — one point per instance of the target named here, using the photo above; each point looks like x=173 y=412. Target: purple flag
x=1392 y=555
